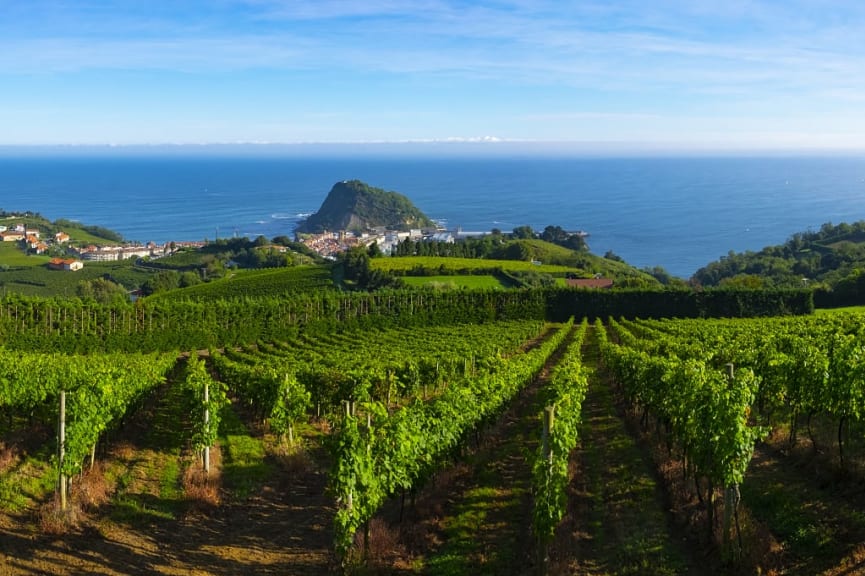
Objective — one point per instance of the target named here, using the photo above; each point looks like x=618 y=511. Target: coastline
x=679 y=213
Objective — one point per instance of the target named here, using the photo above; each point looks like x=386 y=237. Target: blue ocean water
x=679 y=213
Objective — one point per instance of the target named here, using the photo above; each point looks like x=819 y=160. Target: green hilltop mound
x=832 y=256
x=356 y=206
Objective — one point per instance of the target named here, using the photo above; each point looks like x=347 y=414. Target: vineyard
x=258 y=283
x=520 y=446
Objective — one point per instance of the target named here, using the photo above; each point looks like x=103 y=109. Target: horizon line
x=479 y=145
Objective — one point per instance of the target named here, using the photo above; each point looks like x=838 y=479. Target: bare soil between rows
x=285 y=528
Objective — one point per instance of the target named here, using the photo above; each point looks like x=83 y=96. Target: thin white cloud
x=722 y=58
x=561 y=116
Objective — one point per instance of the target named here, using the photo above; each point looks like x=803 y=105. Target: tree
x=554 y=234
x=160 y=282
x=214 y=269
x=355 y=266
x=746 y=281
x=102 y=290
x=660 y=274
x=523 y=232
x=189 y=278
x=610 y=255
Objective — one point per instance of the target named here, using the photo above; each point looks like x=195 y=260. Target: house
x=40 y=247
x=32 y=232
x=32 y=241
x=68 y=264
x=61 y=237
x=597 y=283
x=11 y=236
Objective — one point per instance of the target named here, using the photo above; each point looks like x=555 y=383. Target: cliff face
x=353 y=205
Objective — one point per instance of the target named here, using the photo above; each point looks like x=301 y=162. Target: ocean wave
x=282 y=216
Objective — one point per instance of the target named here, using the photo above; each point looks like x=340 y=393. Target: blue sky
x=686 y=74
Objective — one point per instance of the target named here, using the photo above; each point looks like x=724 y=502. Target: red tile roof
x=589 y=282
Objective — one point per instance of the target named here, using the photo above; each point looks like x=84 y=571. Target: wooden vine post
x=731 y=492
x=206 y=427
x=368 y=452
x=61 y=433
x=547 y=450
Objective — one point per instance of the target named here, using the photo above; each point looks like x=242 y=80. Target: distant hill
x=524 y=255
x=356 y=206
x=586 y=263
x=831 y=256
x=78 y=232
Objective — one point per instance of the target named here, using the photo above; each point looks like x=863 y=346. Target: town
x=330 y=244
x=70 y=257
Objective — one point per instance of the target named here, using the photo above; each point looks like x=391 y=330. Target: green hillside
x=256 y=283
x=830 y=258
x=356 y=206
x=78 y=233
x=521 y=256
x=40 y=281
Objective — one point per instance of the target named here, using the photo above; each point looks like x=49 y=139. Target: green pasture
x=472 y=282
x=450 y=266
x=12 y=255
x=844 y=310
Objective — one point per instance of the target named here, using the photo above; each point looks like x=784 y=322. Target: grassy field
x=845 y=310
x=11 y=255
x=481 y=282
x=449 y=266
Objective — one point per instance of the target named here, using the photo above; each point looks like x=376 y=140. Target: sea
x=679 y=213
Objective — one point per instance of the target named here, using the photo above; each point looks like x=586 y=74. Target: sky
x=653 y=74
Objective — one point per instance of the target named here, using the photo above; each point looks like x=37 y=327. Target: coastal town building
x=113 y=253
x=68 y=264
x=330 y=244
x=12 y=236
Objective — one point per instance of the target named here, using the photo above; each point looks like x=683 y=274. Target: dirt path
x=475 y=518
x=817 y=526
x=618 y=521
x=281 y=526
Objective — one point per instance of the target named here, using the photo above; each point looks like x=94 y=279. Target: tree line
x=73 y=325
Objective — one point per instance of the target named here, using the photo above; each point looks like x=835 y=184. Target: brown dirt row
x=619 y=519
x=473 y=517
x=284 y=527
